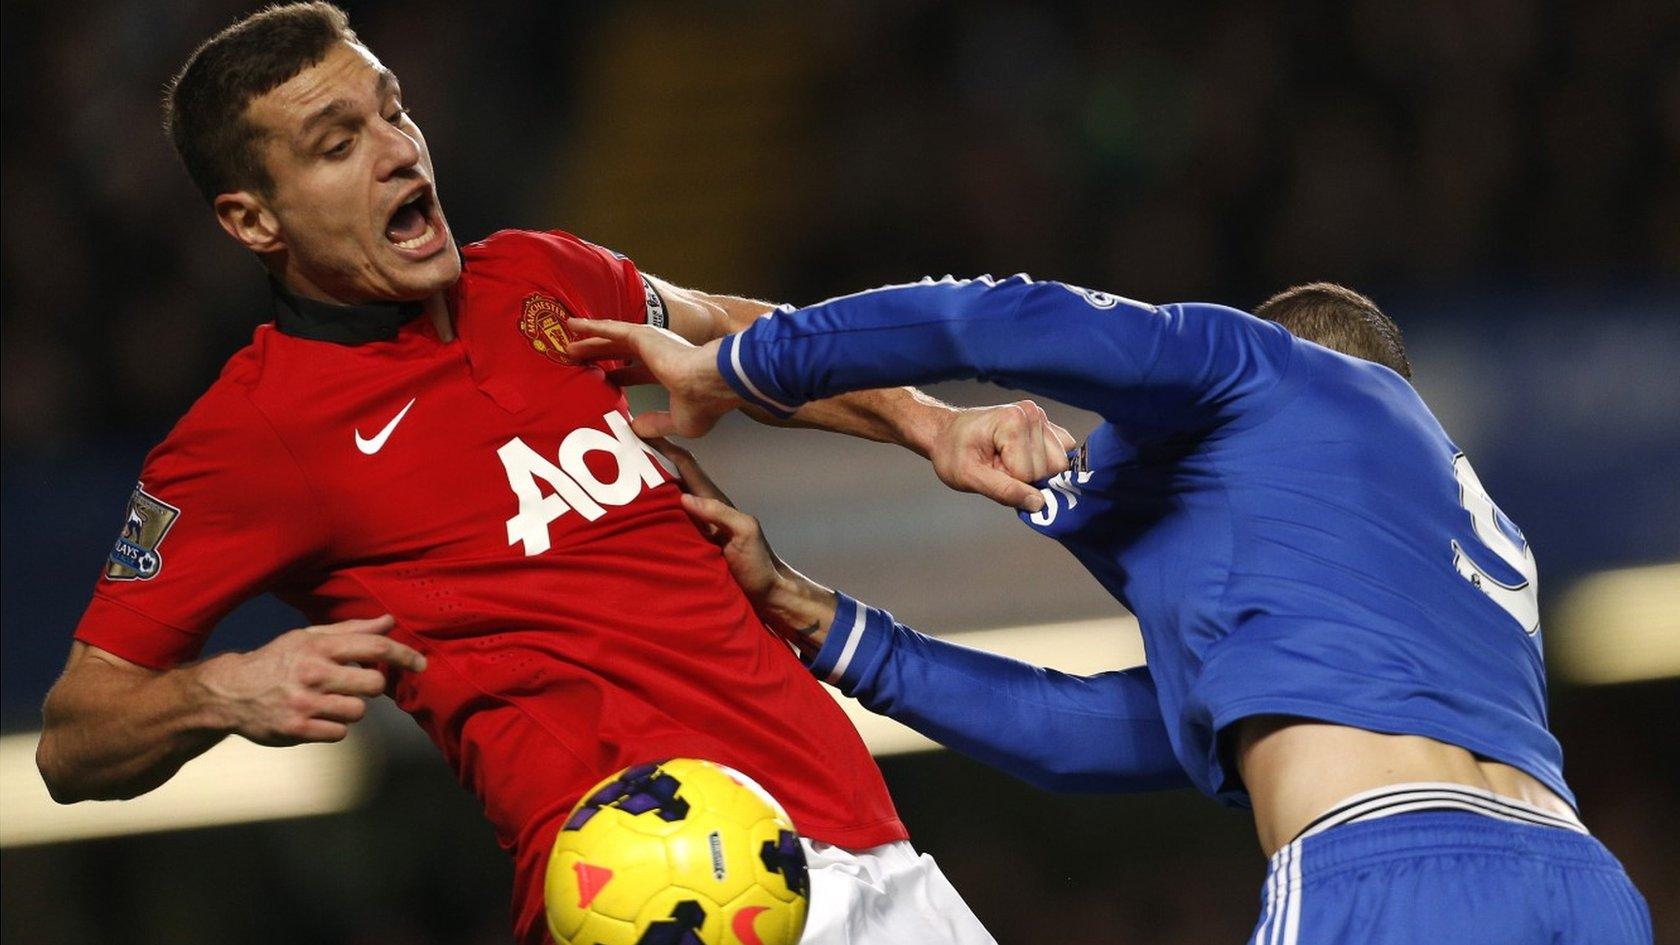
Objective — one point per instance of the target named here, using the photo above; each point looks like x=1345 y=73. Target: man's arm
x=903 y=416
x=1057 y=731
x=1172 y=366
x=114 y=729
x=1102 y=733
x=900 y=415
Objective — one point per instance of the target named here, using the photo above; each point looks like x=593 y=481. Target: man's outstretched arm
x=900 y=415
x=1101 y=733
x=1171 y=366
x=1057 y=731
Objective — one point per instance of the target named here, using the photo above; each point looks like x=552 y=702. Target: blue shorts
x=1449 y=876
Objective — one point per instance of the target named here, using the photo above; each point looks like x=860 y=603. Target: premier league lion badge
x=543 y=321
x=136 y=556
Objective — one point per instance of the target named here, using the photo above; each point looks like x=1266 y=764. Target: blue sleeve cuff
x=736 y=362
x=857 y=644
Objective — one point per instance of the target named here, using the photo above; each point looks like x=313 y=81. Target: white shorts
x=885 y=895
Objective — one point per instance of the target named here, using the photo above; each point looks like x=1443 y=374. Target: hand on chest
x=493 y=444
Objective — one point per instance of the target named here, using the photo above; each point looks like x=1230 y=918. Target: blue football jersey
x=1294 y=530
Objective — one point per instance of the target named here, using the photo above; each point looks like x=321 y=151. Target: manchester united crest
x=543 y=321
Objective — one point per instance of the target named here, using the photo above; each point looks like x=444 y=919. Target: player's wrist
x=211 y=705
x=922 y=422
x=703 y=379
x=795 y=604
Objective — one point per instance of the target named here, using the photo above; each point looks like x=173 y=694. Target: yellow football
x=679 y=852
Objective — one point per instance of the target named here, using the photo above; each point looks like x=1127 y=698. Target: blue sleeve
x=1183 y=366
x=1101 y=733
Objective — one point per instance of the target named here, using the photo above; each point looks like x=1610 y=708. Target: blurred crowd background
x=1502 y=175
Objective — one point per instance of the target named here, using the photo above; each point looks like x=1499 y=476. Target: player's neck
x=437 y=311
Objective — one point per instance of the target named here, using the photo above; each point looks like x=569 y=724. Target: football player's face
x=353 y=204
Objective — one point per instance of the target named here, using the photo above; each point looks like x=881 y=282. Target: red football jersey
x=488 y=493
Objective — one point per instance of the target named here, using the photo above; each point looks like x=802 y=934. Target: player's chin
x=417 y=278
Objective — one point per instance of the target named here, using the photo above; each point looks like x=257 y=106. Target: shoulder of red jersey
x=589 y=280
x=228 y=413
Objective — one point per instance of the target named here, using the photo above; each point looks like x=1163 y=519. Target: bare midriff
x=1296 y=769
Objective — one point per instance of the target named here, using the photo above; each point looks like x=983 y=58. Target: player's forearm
x=110 y=734
x=799 y=609
x=736 y=312
x=903 y=416
x=900 y=415
x=703 y=316
x=1057 y=731
x=1045 y=338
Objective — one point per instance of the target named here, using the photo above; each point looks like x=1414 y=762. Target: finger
x=346 y=709
x=321 y=730
x=355 y=681
x=654 y=423
x=1063 y=437
x=1050 y=446
x=380 y=624
x=631 y=375
x=725 y=518
x=1044 y=454
x=602 y=328
x=375 y=649
x=695 y=480
x=1044 y=463
x=1004 y=489
x=594 y=349
x=1055 y=456
x=1016 y=446
x=669 y=450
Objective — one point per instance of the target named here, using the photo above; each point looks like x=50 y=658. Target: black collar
x=340 y=324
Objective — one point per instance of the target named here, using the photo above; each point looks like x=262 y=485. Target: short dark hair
x=1340 y=319
x=204 y=105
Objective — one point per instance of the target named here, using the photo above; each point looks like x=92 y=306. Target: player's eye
x=398 y=116
x=340 y=149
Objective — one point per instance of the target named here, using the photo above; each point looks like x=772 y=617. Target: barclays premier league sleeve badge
x=136 y=557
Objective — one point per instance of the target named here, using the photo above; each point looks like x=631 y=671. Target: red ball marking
x=590 y=880
x=742 y=925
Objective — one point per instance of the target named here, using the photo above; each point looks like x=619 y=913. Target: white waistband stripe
x=1407 y=798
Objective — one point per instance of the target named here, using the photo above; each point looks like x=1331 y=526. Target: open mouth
x=414 y=225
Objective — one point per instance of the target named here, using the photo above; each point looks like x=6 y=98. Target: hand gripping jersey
x=1293 y=529
x=489 y=494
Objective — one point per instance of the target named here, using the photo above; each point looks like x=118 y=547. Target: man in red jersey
x=409 y=456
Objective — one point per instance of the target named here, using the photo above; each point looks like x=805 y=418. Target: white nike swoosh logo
x=376 y=444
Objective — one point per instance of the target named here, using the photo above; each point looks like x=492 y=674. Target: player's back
x=1325 y=552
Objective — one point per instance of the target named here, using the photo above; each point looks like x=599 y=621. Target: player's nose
x=401 y=151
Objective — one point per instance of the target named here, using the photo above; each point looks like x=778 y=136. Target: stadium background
x=1502 y=175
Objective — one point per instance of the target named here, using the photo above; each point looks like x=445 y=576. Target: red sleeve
x=597 y=282
x=221 y=514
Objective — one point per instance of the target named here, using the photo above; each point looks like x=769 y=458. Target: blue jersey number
x=1499 y=535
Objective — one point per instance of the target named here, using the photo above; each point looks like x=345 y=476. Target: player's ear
x=247 y=218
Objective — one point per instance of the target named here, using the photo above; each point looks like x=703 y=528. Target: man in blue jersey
x=1341 y=627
